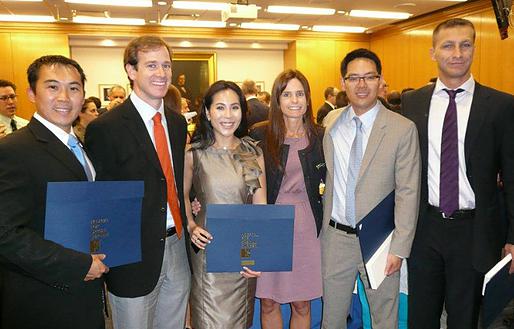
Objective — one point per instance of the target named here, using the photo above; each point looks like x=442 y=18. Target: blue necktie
x=354 y=165
x=74 y=145
x=449 y=175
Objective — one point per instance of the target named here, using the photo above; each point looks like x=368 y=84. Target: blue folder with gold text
x=256 y=236
x=96 y=218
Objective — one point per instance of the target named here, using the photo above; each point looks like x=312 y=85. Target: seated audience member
x=223 y=166
x=257 y=111
x=264 y=97
x=9 y=122
x=97 y=101
x=116 y=95
x=328 y=105
x=88 y=113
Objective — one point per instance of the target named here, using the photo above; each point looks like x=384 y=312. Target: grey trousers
x=165 y=306
x=341 y=260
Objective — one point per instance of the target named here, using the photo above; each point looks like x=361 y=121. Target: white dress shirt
x=63 y=137
x=438 y=106
x=343 y=133
x=6 y=121
x=147 y=112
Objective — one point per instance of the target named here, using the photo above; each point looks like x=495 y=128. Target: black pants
x=441 y=271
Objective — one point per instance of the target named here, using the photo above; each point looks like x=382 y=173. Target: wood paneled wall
x=404 y=49
x=20 y=50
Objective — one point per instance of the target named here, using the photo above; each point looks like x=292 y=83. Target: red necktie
x=161 y=145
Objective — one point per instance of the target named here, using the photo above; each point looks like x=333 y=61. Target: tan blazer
x=391 y=162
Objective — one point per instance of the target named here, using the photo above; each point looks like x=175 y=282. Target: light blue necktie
x=75 y=147
x=354 y=165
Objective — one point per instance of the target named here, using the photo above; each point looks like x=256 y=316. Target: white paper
x=375 y=267
x=492 y=272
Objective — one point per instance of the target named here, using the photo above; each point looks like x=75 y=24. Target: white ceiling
x=62 y=10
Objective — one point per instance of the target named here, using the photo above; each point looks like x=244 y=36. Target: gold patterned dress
x=223 y=300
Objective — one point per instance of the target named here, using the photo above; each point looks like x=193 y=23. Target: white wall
x=105 y=66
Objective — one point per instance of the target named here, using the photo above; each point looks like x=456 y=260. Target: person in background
x=257 y=111
x=181 y=86
x=116 y=95
x=9 y=121
x=224 y=166
x=87 y=114
x=264 y=97
x=341 y=99
x=97 y=101
x=172 y=99
x=394 y=98
x=329 y=104
x=295 y=169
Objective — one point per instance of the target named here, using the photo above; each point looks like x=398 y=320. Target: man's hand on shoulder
x=97 y=269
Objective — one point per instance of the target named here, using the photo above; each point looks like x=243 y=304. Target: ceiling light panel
x=379 y=14
x=192 y=23
x=27 y=18
x=109 y=21
x=270 y=26
x=340 y=29
x=124 y=3
x=200 y=5
x=300 y=10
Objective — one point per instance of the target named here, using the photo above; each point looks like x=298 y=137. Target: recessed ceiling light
x=300 y=10
x=107 y=43
x=192 y=23
x=270 y=26
x=340 y=29
x=23 y=0
x=162 y=3
x=27 y=18
x=256 y=45
x=232 y=24
x=380 y=14
x=109 y=21
x=220 y=44
x=124 y=3
x=200 y=5
x=185 y=44
x=152 y=21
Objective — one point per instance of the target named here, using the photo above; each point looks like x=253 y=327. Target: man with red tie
x=466 y=139
x=142 y=140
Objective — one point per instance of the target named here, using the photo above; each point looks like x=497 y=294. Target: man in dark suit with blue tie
x=466 y=139
x=142 y=140
x=45 y=284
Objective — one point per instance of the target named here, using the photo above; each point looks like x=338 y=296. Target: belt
x=342 y=227
x=457 y=215
x=171 y=231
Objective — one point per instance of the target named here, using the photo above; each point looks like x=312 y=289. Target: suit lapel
x=53 y=145
x=377 y=134
x=421 y=120
x=175 y=141
x=476 y=119
x=137 y=127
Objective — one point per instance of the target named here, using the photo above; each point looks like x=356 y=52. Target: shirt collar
x=57 y=131
x=146 y=111
x=250 y=97
x=367 y=118
x=331 y=105
x=468 y=86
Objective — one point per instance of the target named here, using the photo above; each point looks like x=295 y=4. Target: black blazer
x=257 y=111
x=43 y=282
x=322 y=112
x=121 y=149
x=489 y=148
x=313 y=167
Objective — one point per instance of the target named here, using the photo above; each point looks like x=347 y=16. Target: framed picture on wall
x=193 y=73
x=103 y=91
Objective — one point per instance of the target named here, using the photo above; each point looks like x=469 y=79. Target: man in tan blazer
x=370 y=152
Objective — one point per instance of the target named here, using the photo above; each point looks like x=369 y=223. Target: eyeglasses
x=6 y=97
x=354 y=79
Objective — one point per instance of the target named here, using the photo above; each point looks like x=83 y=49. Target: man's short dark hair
x=360 y=53
x=51 y=60
x=7 y=83
x=451 y=23
x=329 y=92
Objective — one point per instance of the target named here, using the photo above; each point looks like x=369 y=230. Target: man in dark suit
x=257 y=110
x=142 y=140
x=46 y=285
x=466 y=139
x=328 y=105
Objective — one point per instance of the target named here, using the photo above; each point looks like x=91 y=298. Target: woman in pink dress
x=295 y=168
